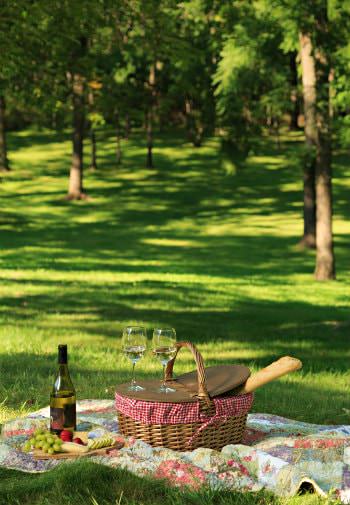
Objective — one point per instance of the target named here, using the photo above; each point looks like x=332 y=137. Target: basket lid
x=219 y=380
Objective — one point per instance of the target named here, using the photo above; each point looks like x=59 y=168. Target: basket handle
x=202 y=387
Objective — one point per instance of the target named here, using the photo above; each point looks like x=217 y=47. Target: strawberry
x=66 y=435
x=78 y=440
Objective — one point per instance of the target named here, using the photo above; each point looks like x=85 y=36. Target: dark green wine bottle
x=62 y=398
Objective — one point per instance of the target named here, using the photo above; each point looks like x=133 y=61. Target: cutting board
x=83 y=435
x=38 y=454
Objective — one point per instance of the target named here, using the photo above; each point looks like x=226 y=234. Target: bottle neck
x=62 y=355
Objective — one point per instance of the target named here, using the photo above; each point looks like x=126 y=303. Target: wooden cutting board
x=83 y=435
x=39 y=454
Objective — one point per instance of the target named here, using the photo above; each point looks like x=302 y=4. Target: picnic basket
x=197 y=421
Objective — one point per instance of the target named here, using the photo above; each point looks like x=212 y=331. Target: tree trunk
x=149 y=116
x=76 y=190
x=127 y=126
x=93 y=165
x=294 y=96
x=149 y=121
x=310 y=129
x=194 y=131
x=325 y=261
x=189 y=119
x=4 y=164
x=118 y=151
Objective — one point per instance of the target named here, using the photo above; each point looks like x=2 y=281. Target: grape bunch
x=44 y=440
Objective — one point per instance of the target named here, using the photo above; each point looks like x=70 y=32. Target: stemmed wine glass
x=164 y=340
x=134 y=345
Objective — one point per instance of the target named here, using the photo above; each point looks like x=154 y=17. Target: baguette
x=277 y=369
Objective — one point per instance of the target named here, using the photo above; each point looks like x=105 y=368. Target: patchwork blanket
x=278 y=454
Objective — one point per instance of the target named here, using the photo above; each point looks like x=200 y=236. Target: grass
x=186 y=245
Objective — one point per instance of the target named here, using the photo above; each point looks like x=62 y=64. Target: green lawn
x=186 y=245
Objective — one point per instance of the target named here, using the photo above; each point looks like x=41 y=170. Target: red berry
x=66 y=435
x=78 y=440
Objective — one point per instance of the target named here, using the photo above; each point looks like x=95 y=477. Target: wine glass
x=164 y=348
x=134 y=345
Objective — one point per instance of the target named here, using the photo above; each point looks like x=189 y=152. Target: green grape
x=27 y=447
x=56 y=447
x=45 y=446
x=50 y=440
x=50 y=451
x=37 y=445
x=40 y=436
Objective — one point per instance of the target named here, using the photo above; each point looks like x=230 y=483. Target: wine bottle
x=62 y=398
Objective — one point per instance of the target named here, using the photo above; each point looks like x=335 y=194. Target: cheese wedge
x=73 y=448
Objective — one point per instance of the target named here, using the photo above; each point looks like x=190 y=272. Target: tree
x=252 y=76
x=295 y=98
x=191 y=88
x=4 y=164
x=74 y=58
x=20 y=46
x=310 y=130
x=325 y=261
x=309 y=23
x=75 y=190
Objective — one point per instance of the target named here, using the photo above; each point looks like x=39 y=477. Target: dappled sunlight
x=184 y=245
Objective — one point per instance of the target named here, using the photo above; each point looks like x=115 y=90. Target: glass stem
x=164 y=383
x=133 y=380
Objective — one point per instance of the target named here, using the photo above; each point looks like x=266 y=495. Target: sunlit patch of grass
x=184 y=245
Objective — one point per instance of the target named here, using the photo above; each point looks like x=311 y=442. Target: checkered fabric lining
x=181 y=413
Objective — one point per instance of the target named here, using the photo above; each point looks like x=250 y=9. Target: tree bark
x=149 y=130
x=310 y=129
x=127 y=126
x=93 y=165
x=325 y=260
x=149 y=117
x=76 y=191
x=294 y=96
x=194 y=132
x=118 y=151
x=4 y=164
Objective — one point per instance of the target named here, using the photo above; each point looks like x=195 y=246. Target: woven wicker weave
x=184 y=437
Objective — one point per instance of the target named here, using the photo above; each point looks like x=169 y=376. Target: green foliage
x=342 y=132
x=223 y=64
x=250 y=78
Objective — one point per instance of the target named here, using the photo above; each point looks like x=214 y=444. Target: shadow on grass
x=180 y=245
x=105 y=485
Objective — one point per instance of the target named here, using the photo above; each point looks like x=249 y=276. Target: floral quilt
x=278 y=454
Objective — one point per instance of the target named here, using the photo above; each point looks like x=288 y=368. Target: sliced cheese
x=74 y=448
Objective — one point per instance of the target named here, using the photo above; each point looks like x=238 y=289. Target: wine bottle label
x=63 y=417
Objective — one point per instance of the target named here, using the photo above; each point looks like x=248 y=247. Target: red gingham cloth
x=182 y=413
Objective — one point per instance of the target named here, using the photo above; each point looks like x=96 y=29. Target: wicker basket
x=214 y=428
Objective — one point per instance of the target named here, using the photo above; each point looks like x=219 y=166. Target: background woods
x=239 y=70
